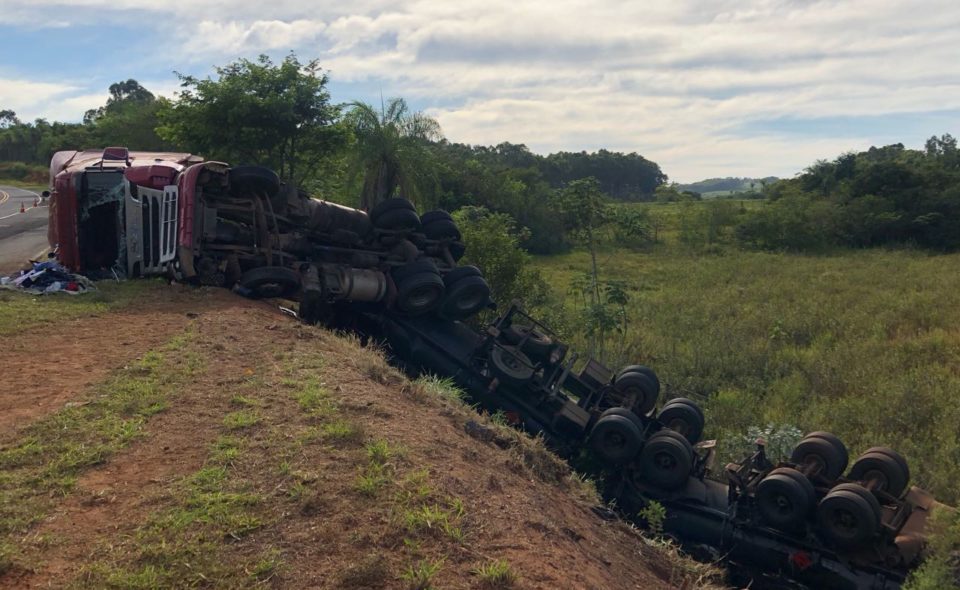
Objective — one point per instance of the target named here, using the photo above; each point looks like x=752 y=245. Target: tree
x=633 y=226
x=8 y=119
x=122 y=95
x=494 y=247
x=133 y=125
x=944 y=149
x=257 y=112
x=129 y=118
x=585 y=211
x=667 y=193
x=622 y=176
x=390 y=151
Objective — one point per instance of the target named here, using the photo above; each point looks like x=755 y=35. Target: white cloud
x=676 y=81
x=233 y=37
x=54 y=102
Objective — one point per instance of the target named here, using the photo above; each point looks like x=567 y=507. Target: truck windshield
x=100 y=220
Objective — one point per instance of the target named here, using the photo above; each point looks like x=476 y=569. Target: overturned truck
x=116 y=213
x=393 y=274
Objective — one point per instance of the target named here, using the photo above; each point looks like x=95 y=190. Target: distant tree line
x=508 y=178
x=883 y=196
x=730 y=183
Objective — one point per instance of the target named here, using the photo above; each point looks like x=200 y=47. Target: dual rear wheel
x=850 y=514
x=457 y=296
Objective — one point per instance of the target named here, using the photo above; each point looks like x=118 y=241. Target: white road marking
x=15 y=214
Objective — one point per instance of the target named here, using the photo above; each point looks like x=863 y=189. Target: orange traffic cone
x=22 y=210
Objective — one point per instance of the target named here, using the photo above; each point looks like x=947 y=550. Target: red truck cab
x=115 y=211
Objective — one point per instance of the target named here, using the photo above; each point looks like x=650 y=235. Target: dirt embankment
x=247 y=450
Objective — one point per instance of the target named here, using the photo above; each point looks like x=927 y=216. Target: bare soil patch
x=49 y=365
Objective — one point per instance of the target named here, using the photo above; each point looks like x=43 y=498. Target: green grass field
x=863 y=343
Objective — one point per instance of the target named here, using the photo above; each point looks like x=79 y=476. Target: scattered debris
x=47 y=277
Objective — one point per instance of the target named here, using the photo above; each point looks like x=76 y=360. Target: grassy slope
x=299 y=460
x=863 y=343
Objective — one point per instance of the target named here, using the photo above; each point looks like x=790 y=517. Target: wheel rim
x=783 y=505
x=421 y=297
x=511 y=361
x=614 y=440
x=665 y=461
x=844 y=524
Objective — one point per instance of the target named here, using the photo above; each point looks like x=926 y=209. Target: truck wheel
x=536 y=344
x=464 y=298
x=615 y=439
x=270 y=281
x=684 y=416
x=636 y=391
x=626 y=414
x=666 y=460
x=419 y=293
x=826 y=455
x=391 y=204
x=441 y=229
x=255 y=177
x=884 y=468
x=834 y=440
x=785 y=498
x=459 y=273
x=848 y=515
x=414 y=267
x=510 y=365
x=398 y=220
x=643 y=370
x=435 y=215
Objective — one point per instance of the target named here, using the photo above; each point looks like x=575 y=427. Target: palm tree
x=391 y=150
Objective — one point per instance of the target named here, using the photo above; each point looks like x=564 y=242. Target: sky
x=703 y=88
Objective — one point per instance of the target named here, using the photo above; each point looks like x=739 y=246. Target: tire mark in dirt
x=46 y=367
x=113 y=500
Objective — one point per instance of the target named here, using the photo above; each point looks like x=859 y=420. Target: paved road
x=22 y=235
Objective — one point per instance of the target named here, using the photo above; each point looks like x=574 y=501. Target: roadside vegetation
x=856 y=342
